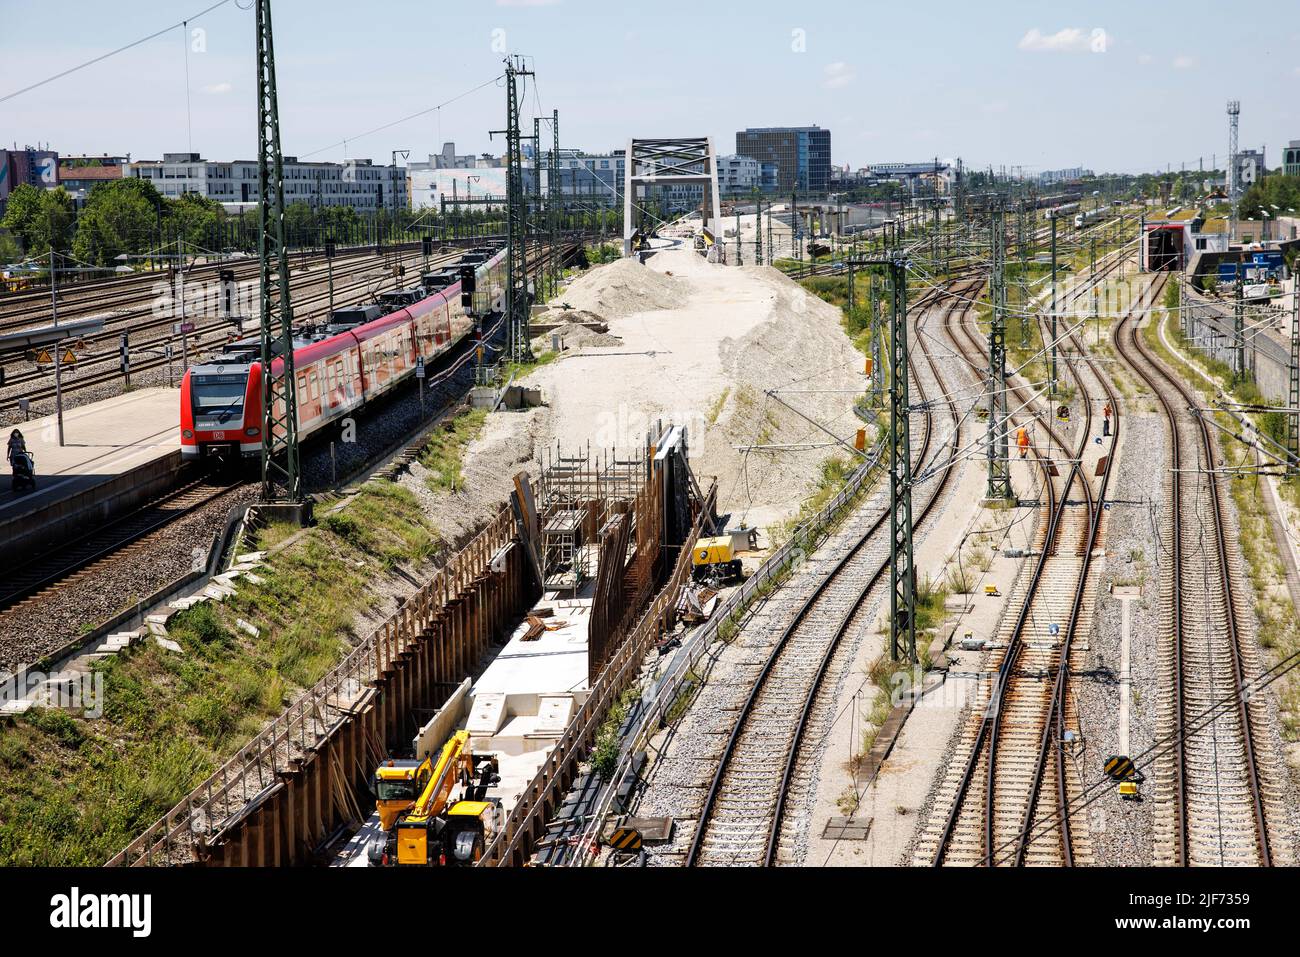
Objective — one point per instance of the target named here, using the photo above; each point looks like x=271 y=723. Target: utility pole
x=739 y=260
x=1092 y=282
x=758 y=230
x=554 y=207
x=1239 y=328
x=902 y=573
x=1051 y=373
x=1293 y=394
x=877 y=366
x=281 y=479
x=517 y=305
x=1234 y=175
x=771 y=250
x=999 y=486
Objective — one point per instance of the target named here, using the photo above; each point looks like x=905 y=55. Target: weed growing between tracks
x=1279 y=628
x=74 y=792
x=893 y=678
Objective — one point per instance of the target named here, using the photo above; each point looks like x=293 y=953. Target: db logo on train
x=218 y=436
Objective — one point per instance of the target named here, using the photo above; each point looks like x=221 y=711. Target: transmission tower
x=553 y=200
x=1293 y=395
x=281 y=478
x=999 y=467
x=902 y=599
x=517 y=304
x=1234 y=181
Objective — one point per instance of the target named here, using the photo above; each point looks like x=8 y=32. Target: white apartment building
x=358 y=183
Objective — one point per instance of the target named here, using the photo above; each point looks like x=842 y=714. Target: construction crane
x=447 y=823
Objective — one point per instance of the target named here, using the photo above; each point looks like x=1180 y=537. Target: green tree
x=120 y=218
x=39 y=218
x=10 y=251
x=1278 y=191
x=195 y=219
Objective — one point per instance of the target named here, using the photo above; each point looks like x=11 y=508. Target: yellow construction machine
x=715 y=558
x=447 y=823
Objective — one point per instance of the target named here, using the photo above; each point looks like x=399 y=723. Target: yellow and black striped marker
x=625 y=839
x=1119 y=766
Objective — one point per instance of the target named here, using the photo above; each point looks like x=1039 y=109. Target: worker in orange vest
x=1022 y=440
x=1105 y=421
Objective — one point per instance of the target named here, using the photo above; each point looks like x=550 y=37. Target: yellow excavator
x=435 y=828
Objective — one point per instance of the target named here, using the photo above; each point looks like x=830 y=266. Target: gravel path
x=1121 y=830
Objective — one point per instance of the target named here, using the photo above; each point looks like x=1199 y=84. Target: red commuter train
x=362 y=352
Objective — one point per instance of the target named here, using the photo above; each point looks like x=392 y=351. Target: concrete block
x=14 y=709
x=487 y=715
x=218 y=592
x=247 y=628
x=553 y=713
x=157 y=629
x=255 y=579
x=250 y=557
x=167 y=644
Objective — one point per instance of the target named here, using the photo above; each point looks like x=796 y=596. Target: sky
x=1108 y=86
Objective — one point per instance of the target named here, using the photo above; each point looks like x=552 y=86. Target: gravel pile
x=575 y=335
x=623 y=287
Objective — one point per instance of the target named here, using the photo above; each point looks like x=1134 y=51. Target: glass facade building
x=801 y=155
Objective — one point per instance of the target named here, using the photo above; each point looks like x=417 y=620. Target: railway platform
x=116 y=454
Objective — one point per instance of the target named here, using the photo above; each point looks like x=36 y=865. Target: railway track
x=152 y=334
x=119 y=540
x=762 y=769
x=81 y=560
x=1219 y=786
x=1012 y=794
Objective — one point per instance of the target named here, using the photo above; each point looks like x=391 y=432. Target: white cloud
x=837 y=75
x=1145 y=59
x=1067 y=40
x=217 y=89
x=994 y=106
x=1184 y=62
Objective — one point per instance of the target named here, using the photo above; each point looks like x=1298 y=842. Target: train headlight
x=252 y=430
x=186 y=433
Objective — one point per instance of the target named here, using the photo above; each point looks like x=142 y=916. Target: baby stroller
x=24 y=472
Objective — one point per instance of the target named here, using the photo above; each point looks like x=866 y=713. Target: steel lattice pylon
x=1293 y=392
x=516 y=304
x=553 y=199
x=999 y=467
x=281 y=478
x=902 y=573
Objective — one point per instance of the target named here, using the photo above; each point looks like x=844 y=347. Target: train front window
x=219 y=397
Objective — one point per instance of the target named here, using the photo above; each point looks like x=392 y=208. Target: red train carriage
x=358 y=357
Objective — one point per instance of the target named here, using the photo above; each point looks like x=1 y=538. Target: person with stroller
x=20 y=461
